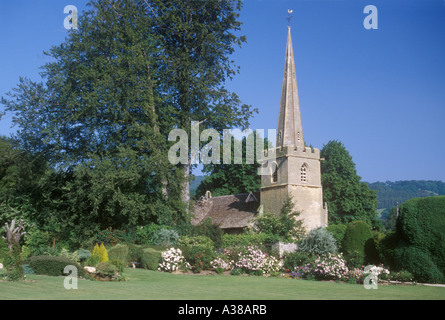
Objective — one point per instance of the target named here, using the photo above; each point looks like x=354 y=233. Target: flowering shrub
x=330 y=267
x=255 y=261
x=172 y=260
x=302 y=272
x=220 y=265
x=272 y=266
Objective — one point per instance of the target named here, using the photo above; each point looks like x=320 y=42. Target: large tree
x=196 y=39
x=133 y=71
x=347 y=196
x=94 y=117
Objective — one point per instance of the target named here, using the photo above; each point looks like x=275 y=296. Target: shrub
x=119 y=252
x=385 y=249
x=165 y=237
x=111 y=237
x=256 y=262
x=220 y=265
x=338 y=232
x=356 y=235
x=421 y=225
x=83 y=255
x=330 y=267
x=173 y=260
x=151 y=258
x=319 y=242
x=109 y=270
x=147 y=234
x=295 y=260
x=210 y=230
x=246 y=239
x=419 y=263
x=100 y=252
x=52 y=266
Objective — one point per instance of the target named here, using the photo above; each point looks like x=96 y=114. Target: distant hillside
x=389 y=193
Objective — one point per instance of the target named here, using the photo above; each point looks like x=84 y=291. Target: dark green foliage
x=52 y=266
x=296 y=259
x=150 y=258
x=119 y=252
x=226 y=179
x=199 y=251
x=109 y=270
x=357 y=237
x=338 y=232
x=389 y=193
x=419 y=263
x=421 y=230
x=284 y=227
x=259 y=240
x=385 y=249
x=348 y=198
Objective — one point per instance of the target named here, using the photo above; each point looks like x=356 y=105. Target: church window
x=275 y=172
x=304 y=172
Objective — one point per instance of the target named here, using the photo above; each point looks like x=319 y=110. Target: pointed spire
x=290 y=129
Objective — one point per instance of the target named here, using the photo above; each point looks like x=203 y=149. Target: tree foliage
x=101 y=113
x=348 y=198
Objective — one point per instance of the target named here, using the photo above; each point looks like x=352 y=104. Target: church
x=296 y=173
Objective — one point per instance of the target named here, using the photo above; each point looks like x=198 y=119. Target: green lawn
x=150 y=285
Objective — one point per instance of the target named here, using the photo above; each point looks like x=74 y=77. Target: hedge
x=421 y=230
x=52 y=266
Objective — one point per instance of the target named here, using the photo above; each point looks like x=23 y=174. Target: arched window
x=304 y=173
x=275 y=172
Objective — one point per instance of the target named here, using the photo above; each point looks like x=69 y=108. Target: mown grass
x=151 y=285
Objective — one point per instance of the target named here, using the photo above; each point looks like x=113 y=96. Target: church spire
x=290 y=129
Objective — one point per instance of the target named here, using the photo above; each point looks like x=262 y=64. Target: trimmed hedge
x=421 y=230
x=150 y=258
x=358 y=236
x=52 y=266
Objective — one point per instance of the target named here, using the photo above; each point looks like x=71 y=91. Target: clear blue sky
x=381 y=92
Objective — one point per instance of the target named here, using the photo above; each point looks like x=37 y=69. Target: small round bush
x=318 y=241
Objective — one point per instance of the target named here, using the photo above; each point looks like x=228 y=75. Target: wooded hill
x=389 y=193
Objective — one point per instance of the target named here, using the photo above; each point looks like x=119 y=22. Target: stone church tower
x=297 y=172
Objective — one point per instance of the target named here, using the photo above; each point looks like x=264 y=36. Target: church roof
x=233 y=211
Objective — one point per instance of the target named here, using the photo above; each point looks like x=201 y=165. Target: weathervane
x=289 y=17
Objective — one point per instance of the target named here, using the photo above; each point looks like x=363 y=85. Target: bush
x=173 y=260
x=199 y=251
x=256 y=262
x=109 y=270
x=147 y=234
x=165 y=237
x=246 y=239
x=357 y=234
x=111 y=237
x=210 y=230
x=151 y=258
x=419 y=264
x=52 y=266
x=83 y=255
x=119 y=252
x=319 y=242
x=100 y=252
x=294 y=260
x=330 y=267
x=338 y=232
x=421 y=225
